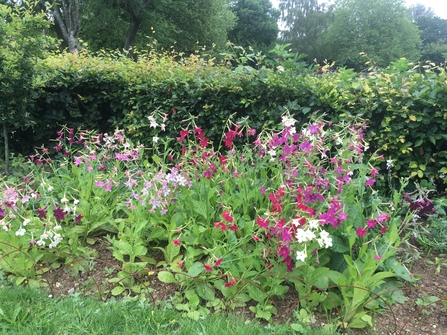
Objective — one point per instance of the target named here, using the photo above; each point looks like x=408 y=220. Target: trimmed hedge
x=405 y=110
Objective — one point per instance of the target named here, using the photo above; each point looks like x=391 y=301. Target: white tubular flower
x=301 y=256
x=20 y=232
x=288 y=121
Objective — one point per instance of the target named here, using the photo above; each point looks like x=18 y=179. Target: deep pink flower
x=230 y=283
x=377 y=257
x=361 y=231
x=78 y=218
x=371 y=223
x=218 y=261
x=176 y=242
x=384 y=229
x=233 y=227
x=263 y=223
x=227 y=216
x=220 y=225
x=256 y=238
x=183 y=134
x=207 y=267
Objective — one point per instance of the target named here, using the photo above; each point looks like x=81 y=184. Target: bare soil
x=417 y=316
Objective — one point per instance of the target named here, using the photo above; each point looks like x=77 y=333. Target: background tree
x=184 y=23
x=306 y=23
x=379 y=28
x=419 y=10
x=21 y=42
x=257 y=24
x=67 y=19
x=433 y=31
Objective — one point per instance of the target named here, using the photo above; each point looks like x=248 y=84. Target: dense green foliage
x=406 y=110
x=257 y=24
x=307 y=22
x=379 y=28
x=21 y=43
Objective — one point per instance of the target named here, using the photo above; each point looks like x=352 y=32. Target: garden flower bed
x=240 y=224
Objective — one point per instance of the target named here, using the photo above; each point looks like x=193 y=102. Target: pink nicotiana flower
x=370 y=182
x=176 y=242
x=227 y=216
x=361 y=232
x=371 y=223
x=263 y=223
x=207 y=267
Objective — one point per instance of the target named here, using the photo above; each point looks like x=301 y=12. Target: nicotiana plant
x=292 y=206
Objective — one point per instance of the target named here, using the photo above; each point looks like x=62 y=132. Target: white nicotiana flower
x=26 y=221
x=339 y=141
x=314 y=224
x=324 y=240
x=50 y=188
x=40 y=243
x=288 y=121
x=64 y=200
x=20 y=232
x=389 y=164
x=76 y=201
x=301 y=256
x=58 y=227
x=366 y=147
x=155 y=139
x=303 y=235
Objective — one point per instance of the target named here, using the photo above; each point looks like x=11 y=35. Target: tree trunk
x=68 y=20
x=6 y=137
x=135 y=10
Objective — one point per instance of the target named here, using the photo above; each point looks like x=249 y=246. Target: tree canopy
x=379 y=28
x=257 y=24
x=306 y=23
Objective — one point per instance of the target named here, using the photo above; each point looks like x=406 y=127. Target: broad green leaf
x=117 y=290
x=166 y=277
x=195 y=269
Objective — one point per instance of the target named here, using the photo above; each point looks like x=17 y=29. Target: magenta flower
x=176 y=242
x=371 y=223
x=78 y=218
x=207 y=267
x=370 y=182
x=361 y=232
x=263 y=223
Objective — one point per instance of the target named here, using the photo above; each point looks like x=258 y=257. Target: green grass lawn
x=25 y=310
